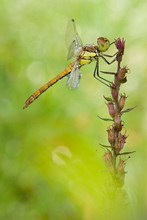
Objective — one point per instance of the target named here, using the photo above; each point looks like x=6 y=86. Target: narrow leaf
x=108 y=99
x=107 y=146
x=128 y=109
x=129 y=152
x=105 y=119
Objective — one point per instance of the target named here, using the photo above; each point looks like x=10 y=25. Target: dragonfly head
x=103 y=44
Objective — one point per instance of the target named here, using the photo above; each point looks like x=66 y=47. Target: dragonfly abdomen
x=42 y=89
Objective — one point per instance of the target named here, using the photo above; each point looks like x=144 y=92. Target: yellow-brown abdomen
x=37 y=93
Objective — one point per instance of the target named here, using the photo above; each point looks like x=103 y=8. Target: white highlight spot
x=36 y=72
x=60 y=154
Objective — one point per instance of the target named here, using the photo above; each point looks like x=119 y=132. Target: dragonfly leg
x=107 y=60
x=105 y=72
x=112 y=43
x=98 y=77
x=108 y=55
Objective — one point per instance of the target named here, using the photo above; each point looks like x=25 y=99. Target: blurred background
x=51 y=163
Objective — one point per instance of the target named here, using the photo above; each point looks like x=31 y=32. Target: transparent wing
x=74 y=77
x=73 y=40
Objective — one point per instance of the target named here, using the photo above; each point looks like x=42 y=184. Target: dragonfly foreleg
x=112 y=43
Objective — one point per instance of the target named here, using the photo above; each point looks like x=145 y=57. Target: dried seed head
x=122 y=73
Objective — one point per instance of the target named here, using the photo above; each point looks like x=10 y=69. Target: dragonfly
x=82 y=55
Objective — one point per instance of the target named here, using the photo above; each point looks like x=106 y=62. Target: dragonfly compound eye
x=103 y=44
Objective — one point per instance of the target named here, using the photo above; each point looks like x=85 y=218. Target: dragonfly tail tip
x=25 y=106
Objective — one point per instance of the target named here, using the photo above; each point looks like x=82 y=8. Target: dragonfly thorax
x=88 y=54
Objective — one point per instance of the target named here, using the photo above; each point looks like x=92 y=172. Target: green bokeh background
x=50 y=161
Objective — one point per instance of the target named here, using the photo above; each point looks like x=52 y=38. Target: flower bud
x=116 y=147
x=114 y=92
x=111 y=135
x=121 y=172
x=122 y=101
x=111 y=109
x=121 y=166
x=109 y=161
x=120 y=45
x=122 y=140
x=118 y=122
x=119 y=143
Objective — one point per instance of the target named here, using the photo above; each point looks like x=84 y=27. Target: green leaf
x=106 y=146
x=129 y=152
x=105 y=119
x=109 y=99
x=128 y=109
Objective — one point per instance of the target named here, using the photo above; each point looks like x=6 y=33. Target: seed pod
x=111 y=135
x=109 y=161
x=119 y=142
x=121 y=172
x=111 y=109
x=114 y=92
x=122 y=101
x=117 y=122
x=122 y=73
